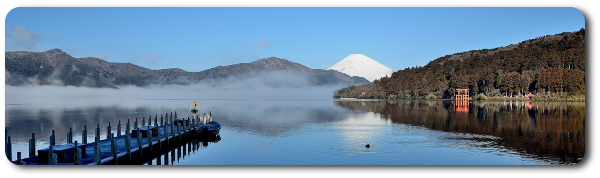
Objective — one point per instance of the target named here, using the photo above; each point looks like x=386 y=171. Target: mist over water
x=261 y=85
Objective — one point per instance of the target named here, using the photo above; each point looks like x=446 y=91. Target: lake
x=330 y=131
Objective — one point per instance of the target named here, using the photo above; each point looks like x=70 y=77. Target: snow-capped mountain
x=362 y=66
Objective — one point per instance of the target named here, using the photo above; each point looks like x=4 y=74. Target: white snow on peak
x=362 y=66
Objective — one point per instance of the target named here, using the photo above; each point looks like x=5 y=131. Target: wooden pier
x=138 y=145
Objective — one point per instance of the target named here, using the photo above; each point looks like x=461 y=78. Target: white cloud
x=24 y=40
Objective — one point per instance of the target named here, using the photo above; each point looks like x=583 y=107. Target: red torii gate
x=462 y=100
x=529 y=96
x=461 y=94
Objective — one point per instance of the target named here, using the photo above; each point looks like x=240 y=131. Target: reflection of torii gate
x=462 y=100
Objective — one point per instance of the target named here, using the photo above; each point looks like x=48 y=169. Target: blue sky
x=195 y=39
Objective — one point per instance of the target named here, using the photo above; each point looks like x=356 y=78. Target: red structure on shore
x=462 y=100
x=529 y=96
x=461 y=94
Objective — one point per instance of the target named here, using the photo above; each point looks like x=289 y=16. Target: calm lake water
x=332 y=132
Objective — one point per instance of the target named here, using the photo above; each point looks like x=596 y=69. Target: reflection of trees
x=548 y=130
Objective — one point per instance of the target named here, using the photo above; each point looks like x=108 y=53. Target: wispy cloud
x=265 y=43
x=215 y=54
x=327 y=65
x=134 y=59
x=228 y=57
x=152 y=58
x=242 y=53
x=99 y=56
x=54 y=37
x=70 y=49
x=24 y=40
x=147 y=57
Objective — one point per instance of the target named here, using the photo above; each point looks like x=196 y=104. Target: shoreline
x=535 y=98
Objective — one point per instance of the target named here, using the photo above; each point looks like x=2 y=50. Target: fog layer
x=262 y=85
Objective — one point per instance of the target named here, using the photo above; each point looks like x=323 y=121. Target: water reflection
x=334 y=132
x=359 y=129
x=552 y=131
x=275 y=117
x=183 y=151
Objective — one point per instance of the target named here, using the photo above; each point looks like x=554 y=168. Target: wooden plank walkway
x=137 y=146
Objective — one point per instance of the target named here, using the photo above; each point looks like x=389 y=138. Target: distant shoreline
x=494 y=98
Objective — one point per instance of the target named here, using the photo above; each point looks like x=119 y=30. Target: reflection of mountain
x=547 y=130
x=274 y=117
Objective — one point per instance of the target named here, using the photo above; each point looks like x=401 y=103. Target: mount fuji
x=362 y=66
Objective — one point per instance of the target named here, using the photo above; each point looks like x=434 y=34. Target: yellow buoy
x=194 y=103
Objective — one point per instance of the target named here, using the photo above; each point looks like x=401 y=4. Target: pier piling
x=51 y=156
x=77 y=155
x=108 y=131
x=113 y=148
x=139 y=142
x=32 y=145
x=70 y=135
x=127 y=127
x=166 y=136
x=128 y=147
x=158 y=140
x=97 y=151
x=84 y=135
x=119 y=129
x=52 y=140
x=19 y=162
x=179 y=129
x=149 y=139
x=8 y=148
x=172 y=127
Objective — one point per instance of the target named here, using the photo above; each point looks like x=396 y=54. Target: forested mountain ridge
x=549 y=65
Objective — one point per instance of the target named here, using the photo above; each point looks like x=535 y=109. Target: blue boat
x=211 y=128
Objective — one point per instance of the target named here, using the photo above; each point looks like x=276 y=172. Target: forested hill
x=551 y=65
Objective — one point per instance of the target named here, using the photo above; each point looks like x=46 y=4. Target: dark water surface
x=333 y=132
